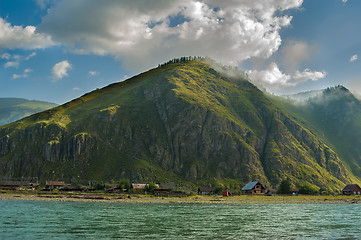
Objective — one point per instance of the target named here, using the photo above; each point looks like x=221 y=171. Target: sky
x=58 y=50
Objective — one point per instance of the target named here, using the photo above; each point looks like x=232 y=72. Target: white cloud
x=93 y=73
x=273 y=78
x=33 y=54
x=142 y=33
x=76 y=89
x=61 y=69
x=28 y=70
x=24 y=75
x=12 y=64
x=344 y=1
x=6 y=56
x=12 y=37
x=353 y=58
x=306 y=75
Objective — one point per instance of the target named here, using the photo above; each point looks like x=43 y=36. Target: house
x=140 y=186
x=14 y=185
x=253 y=188
x=351 y=189
x=161 y=192
x=226 y=193
x=50 y=185
x=206 y=190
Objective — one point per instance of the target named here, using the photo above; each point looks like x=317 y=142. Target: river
x=79 y=220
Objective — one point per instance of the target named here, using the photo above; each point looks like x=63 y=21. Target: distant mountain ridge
x=13 y=109
x=186 y=122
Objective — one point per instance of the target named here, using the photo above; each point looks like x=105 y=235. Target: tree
x=285 y=187
x=151 y=187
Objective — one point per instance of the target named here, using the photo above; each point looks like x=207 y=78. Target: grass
x=194 y=199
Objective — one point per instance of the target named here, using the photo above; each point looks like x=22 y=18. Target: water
x=77 y=220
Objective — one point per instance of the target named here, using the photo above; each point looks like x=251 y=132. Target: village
x=159 y=190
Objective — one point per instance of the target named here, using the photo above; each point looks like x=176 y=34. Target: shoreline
x=125 y=198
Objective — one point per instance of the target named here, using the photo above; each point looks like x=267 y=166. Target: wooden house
x=140 y=186
x=206 y=190
x=161 y=192
x=51 y=185
x=351 y=189
x=253 y=188
x=14 y=185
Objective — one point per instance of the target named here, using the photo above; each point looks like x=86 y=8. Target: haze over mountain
x=189 y=122
x=12 y=109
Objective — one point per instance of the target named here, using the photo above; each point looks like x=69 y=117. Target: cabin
x=51 y=185
x=161 y=192
x=351 y=189
x=140 y=186
x=254 y=188
x=226 y=193
x=14 y=185
x=206 y=190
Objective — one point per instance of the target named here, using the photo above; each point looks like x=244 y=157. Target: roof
x=55 y=183
x=140 y=186
x=249 y=186
x=352 y=188
x=14 y=183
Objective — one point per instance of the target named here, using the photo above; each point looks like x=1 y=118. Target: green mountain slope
x=13 y=109
x=182 y=122
x=335 y=115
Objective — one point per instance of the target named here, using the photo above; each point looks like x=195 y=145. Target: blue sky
x=58 y=50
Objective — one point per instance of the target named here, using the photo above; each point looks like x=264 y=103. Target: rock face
x=182 y=122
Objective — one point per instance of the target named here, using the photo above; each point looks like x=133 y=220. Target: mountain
x=335 y=115
x=12 y=109
x=189 y=122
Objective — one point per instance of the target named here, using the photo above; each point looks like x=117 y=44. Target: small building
x=351 y=189
x=255 y=188
x=161 y=192
x=206 y=190
x=51 y=185
x=140 y=186
x=227 y=193
x=14 y=185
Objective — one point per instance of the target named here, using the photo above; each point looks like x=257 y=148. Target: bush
x=285 y=187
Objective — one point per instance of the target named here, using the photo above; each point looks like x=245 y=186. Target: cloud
x=344 y=1
x=273 y=78
x=33 y=54
x=76 y=89
x=16 y=59
x=93 y=73
x=12 y=37
x=24 y=75
x=61 y=69
x=6 y=56
x=270 y=76
x=144 y=33
x=353 y=58
x=12 y=64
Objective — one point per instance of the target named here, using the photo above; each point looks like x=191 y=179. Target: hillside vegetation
x=188 y=122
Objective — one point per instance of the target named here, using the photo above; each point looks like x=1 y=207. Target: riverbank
x=134 y=198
